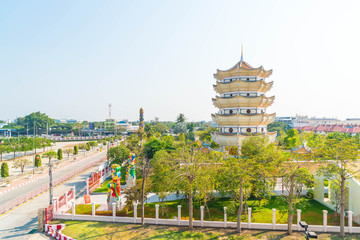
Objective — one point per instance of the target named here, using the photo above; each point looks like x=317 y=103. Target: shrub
x=4 y=170
x=37 y=160
x=87 y=147
x=76 y=150
x=310 y=194
x=60 y=154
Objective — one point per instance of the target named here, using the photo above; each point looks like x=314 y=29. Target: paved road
x=18 y=222
x=9 y=157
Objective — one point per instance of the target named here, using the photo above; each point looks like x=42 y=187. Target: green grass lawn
x=261 y=213
x=103 y=188
x=84 y=209
x=101 y=230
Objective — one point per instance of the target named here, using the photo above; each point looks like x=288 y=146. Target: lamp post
x=34 y=150
x=308 y=234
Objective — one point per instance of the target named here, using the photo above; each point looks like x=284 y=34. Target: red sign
x=87 y=199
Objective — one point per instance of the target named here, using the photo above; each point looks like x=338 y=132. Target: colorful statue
x=130 y=173
x=114 y=185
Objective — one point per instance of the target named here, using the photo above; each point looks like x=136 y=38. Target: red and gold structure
x=242 y=104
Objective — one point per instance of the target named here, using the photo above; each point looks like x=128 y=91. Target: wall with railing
x=201 y=223
x=97 y=178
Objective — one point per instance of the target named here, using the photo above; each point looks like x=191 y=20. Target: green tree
x=41 y=120
x=118 y=154
x=233 y=176
x=152 y=146
x=254 y=169
x=313 y=140
x=59 y=154
x=26 y=144
x=4 y=170
x=149 y=131
x=181 y=138
x=87 y=147
x=4 y=148
x=181 y=118
x=292 y=139
x=295 y=177
x=37 y=160
x=50 y=155
x=277 y=127
x=189 y=166
x=162 y=178
x=160 y=128
x=343 y=152
x=76 y=150
x=93 y=144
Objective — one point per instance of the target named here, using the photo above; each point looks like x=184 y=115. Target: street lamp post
x=50 y=179
x=34 y=150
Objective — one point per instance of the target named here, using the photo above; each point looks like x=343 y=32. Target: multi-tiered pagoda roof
x=242 y=104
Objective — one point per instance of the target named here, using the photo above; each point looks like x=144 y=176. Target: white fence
x=202 y=223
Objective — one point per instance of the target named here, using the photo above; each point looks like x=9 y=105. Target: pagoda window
x=262 y=129
x=248 y=94
x=247 y=79
x=231 y=130
x=231 y=111
x=248 y=130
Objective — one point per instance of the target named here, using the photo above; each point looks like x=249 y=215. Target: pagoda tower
x=141 y=119
x=242 y=104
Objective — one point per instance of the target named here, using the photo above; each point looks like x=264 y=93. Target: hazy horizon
x=70 y=59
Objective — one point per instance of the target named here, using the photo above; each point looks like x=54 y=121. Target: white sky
x=70 y=59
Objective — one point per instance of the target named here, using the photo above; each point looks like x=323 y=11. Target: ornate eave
x=240 y=101
x=240 y=85
x=242 y=69
x=241 y=119
x=235 y=139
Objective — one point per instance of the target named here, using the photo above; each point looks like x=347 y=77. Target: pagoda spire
x=242 y=53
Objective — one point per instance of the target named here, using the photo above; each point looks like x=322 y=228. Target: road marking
x=48 y=190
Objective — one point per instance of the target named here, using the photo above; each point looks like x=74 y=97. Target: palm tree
x=181 y=118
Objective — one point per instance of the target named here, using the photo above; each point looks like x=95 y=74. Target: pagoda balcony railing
x=242 y=96
x=244 y=114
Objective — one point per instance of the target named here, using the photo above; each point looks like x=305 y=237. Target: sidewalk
x=23 y=181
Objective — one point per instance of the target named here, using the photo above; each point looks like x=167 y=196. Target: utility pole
x=50 y=179
x=34 y=150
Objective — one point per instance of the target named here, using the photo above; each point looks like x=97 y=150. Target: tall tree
x=190 y=165
x=118 y=154
x=343 y=152
x=162 y=178
x=295 y=177
x=181 y=118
